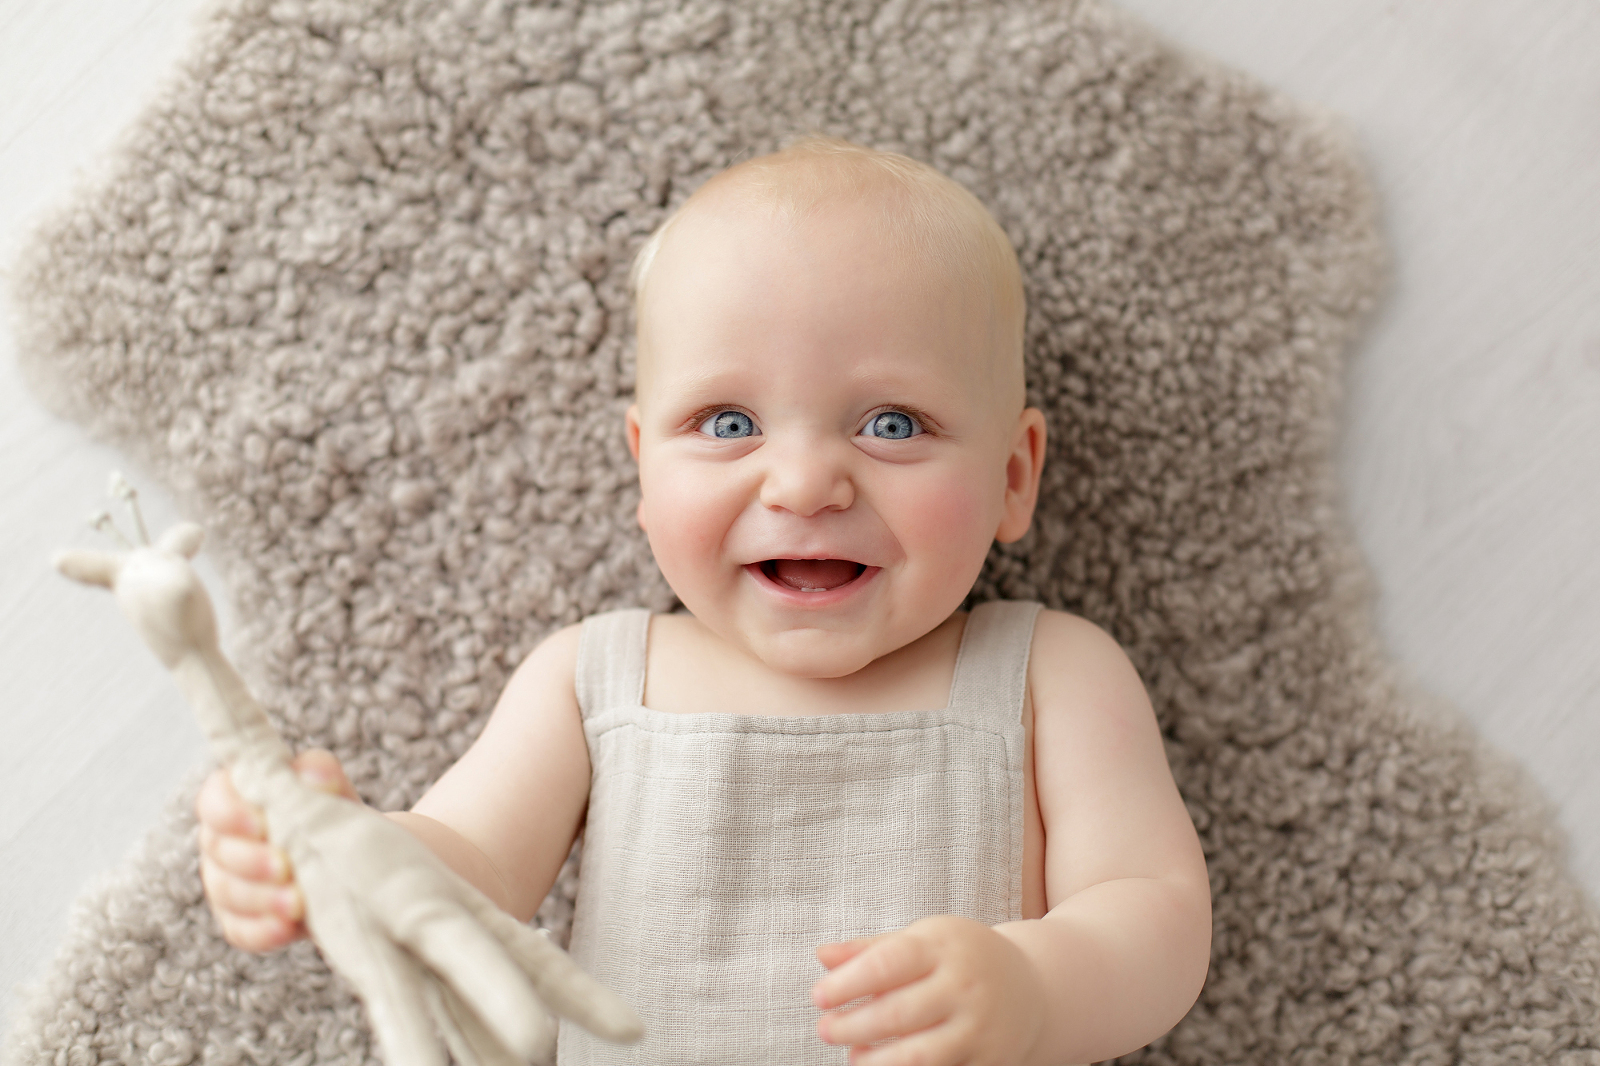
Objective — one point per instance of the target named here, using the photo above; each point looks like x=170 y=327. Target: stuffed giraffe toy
x=416 y=940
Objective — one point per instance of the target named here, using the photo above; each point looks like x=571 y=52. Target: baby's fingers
x=253 y=916
x=225 y=812
x=320 y=768
x=260 y=935
x=832 y=955
x=249 y=899
x=888 y=963
x=931 y=1047
x=221 y=808
x=898 y=1014
x=252 y=860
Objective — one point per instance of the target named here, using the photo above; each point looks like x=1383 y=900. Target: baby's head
x=830 y=418
x=905 y=207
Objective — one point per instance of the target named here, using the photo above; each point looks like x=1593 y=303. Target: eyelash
x=698 y=421
x=919 y=425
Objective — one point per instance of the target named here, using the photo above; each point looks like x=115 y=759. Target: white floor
x=1471 y=458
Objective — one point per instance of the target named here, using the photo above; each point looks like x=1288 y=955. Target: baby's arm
x=503 y=817
x=518 y=796
x=1121 y=954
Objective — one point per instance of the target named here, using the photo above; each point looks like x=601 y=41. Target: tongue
x=814 y=575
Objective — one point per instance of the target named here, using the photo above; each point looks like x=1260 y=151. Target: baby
x=786 y=851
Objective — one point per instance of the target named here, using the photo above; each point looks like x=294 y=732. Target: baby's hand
x=249 y=882
x=953 y=990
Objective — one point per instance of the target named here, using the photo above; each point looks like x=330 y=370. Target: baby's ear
x=630 y=423
x=1023 y=467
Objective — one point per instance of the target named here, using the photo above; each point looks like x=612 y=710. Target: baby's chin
x=817 y=653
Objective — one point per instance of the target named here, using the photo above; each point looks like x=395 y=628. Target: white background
x=1471 y=453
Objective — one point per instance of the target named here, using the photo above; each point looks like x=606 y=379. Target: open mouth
x=812 y=575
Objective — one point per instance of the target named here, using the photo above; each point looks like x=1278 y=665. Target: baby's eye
x=729 y=425
x=891 y=425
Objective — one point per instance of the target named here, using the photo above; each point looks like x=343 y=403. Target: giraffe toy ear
x=184 y=538
x=88 y=567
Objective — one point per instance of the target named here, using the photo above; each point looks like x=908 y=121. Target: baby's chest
x=779 y=789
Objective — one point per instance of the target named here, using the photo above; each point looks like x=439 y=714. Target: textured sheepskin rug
x=356 y=290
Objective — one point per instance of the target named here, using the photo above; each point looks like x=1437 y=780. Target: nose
x=806 y=477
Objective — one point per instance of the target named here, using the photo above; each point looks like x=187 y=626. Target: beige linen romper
x=722 y=848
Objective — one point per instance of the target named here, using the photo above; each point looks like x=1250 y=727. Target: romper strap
x=610 y=669
x=991 y=676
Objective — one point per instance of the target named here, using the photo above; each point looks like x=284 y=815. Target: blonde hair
x=926 y=213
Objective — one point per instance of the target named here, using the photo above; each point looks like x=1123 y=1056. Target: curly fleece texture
x=357 y=291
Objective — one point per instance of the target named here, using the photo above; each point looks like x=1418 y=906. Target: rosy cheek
x=685 y=518
x=949 y=513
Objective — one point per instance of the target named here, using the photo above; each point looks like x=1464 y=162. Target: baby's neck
x=684 y=655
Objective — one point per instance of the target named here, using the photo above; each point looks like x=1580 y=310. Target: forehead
x=741 y=279
x=871 y=225
x=869 y=217
x=737 y=256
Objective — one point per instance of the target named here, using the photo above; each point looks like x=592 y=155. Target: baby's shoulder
x=1073 y=661
x=560 y=646
x=1063 y=631
x=551 y=666
x=555 y=658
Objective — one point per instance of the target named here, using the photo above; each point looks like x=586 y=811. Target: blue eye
x=891 y=425
x=729 y=425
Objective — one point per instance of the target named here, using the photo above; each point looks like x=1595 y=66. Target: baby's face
x=823 y=433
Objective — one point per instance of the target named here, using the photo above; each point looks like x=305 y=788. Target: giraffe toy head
x=154 y=584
